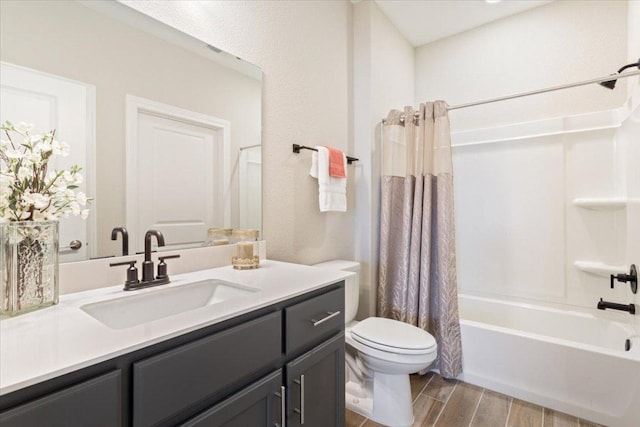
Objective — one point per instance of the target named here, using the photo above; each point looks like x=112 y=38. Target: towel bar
x=298 y=147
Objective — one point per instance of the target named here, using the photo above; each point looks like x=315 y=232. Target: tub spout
x=603 y=305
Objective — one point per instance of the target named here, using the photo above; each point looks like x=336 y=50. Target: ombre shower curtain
x=417 y=277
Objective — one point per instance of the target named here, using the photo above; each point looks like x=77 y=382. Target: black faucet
x=147 y=265
x=132 y=282
x=603 y=305
x=632 y=278
x=125 y=238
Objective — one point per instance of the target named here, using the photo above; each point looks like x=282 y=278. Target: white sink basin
x=135 y=310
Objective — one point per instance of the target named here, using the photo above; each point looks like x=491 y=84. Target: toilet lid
x=392 y=335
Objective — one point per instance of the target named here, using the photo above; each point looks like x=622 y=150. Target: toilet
x=380 y=355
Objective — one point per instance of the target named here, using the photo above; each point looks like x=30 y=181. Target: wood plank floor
x=443 y=403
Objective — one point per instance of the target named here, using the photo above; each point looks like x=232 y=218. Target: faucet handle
x=632 y=278
x=162 y=267
x=132 y=273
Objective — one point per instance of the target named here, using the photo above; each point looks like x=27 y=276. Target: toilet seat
x=393 y=336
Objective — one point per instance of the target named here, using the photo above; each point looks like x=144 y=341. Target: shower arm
x=637 y=64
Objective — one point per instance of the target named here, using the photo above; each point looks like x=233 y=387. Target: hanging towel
x=337 y=168
x=332 y=192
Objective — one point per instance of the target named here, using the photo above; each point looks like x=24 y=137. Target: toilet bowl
x=380 y=355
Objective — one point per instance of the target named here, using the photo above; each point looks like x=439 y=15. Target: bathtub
x=570 y=361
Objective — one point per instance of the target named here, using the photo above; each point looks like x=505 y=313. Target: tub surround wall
x=522 y=236
x=304 y=50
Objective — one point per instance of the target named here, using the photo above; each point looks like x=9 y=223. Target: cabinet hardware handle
x=283 y=413
x=301 y=410
x=330 y=315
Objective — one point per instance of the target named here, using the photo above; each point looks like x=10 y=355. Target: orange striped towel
x=336 y=163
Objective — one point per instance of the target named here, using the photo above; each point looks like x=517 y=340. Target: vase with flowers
x=32 y=201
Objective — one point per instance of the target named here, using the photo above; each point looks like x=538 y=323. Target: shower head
x=611 y=84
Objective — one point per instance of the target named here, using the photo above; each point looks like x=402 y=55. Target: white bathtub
x=569 y=361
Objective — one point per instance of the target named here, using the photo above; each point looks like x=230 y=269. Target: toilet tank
x=351 y=285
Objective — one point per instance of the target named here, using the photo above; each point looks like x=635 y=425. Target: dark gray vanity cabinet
x=95 y=402
x=169 y=383
x=275 y=366
x=314 y=381
x=257 y=405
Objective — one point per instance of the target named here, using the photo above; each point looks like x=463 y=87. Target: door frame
x=136 y=105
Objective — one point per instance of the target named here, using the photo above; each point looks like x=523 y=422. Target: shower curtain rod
x=535 y=92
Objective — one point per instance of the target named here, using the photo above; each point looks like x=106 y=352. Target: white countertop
x=44 y=344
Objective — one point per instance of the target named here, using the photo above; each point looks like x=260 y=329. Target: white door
x=250 y=177
x=53 y=102
x=180 y=176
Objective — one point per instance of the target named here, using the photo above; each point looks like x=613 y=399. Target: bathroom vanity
x=271 y=357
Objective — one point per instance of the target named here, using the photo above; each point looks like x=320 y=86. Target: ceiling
x=425 y=21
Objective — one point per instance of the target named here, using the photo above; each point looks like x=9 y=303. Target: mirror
x=167 y=126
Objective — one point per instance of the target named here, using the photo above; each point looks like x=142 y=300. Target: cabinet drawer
x=171 y=382
x=91 y=403
x=311 y=321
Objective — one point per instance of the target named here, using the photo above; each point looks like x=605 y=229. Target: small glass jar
x=247 y=254
x=218 y=237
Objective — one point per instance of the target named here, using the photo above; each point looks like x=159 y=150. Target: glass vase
x=28 y=266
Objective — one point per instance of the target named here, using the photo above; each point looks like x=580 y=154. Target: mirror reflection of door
x=250 y=176
x=51 y=102
x=178 y=175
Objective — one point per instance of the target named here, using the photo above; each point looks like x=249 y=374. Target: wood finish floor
x=442 y=403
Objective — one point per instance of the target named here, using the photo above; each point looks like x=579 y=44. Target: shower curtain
x=417 y=277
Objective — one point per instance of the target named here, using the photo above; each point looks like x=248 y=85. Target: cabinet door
x=258 y=405
x=173 y=385
x=315 y=386
x=92 y=403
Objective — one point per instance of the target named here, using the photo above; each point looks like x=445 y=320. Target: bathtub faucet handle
x=632 y=278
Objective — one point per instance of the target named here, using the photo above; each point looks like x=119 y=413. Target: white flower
x=84 y=214
x=78 y=178
x=28 y=191
x=40 y=201
x=23 y=173
x=75 y=208
x=33 y=158
x=43 y=146
x=60 y=148
x=13 y=154
x=81 y=198
x=67 y=177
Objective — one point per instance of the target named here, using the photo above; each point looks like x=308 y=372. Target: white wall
x=303 y=49
x=383 y=76
x=562 y=42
